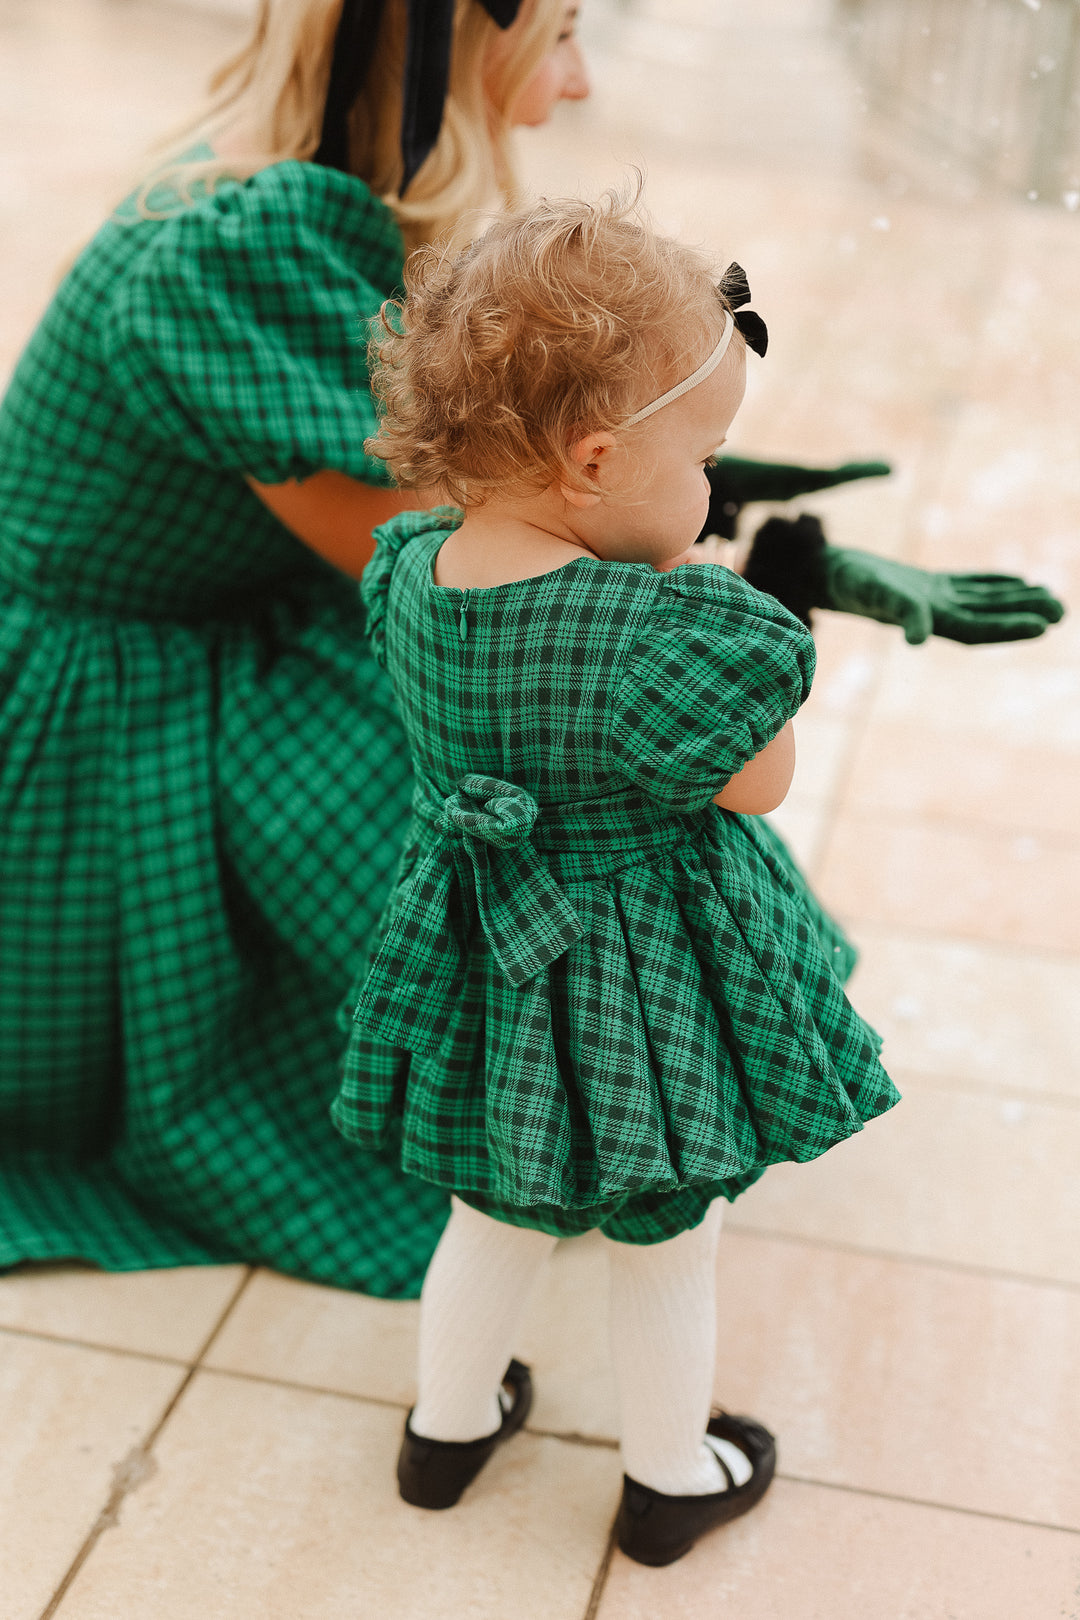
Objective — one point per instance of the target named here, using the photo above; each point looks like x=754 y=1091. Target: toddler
x=601 y=996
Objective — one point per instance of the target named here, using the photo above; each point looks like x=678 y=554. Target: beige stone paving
x=1004 y=885
x=155 y=1313
x=814 y=1554
x=969 y=1013
x=905 y=1312
x=953 y=1175
x=72 y=1420
x=942 y=774
x=273 y=1502
x=865 y=1372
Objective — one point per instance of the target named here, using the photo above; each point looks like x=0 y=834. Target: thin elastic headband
x=734 y=287
x=706 y=369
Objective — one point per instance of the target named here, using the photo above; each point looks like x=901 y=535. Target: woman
x=203 y=782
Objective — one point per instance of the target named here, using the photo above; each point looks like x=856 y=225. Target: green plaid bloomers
x=204 y=785
x=595 y=999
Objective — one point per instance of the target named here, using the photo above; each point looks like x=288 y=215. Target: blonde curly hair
x=563 y=319
x=270 y=97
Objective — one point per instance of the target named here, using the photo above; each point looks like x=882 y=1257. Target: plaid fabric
x=682 y=1024
x=203 y=782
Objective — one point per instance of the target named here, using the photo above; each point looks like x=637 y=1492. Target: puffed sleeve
x=239 y=334
x=717 y=672
x=390 y=541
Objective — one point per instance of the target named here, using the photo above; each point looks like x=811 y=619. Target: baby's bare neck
x=501 y=542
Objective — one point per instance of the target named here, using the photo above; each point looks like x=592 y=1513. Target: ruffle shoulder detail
x=717 y=672
x=239 y=331
x=390 y=541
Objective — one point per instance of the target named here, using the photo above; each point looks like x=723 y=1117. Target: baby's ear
x=589 y=452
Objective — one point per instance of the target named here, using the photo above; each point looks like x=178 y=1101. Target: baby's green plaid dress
x=596 y=999
x=203 y=782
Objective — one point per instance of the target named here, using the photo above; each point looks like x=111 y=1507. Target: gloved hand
x=736 y=480
x=792 y=560
x=970 y=608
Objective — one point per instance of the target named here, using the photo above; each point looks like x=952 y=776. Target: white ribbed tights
x=663 y=1341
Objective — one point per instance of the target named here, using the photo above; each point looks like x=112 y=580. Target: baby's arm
x=763 y=782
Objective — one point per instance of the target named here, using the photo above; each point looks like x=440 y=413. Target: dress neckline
x=510 y=584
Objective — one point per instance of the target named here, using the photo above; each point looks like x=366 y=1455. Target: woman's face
x=561 y=76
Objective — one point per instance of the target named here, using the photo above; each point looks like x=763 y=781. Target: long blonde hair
x=271 y=95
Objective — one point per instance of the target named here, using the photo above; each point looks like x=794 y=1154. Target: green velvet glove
x=750 y=480
x=970 y=608
x=791 y=559
x=736 y=480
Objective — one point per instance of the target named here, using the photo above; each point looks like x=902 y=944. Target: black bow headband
x=736 y=289
x=427 y=72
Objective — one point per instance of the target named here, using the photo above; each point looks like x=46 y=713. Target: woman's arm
x=335 y=514
x=763 y=782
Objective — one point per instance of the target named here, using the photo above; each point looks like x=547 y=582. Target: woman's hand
x=792 y=560
x=335 y=514
x=763 y=782
x=969 y=608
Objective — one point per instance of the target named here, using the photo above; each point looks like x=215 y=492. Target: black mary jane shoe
x=656 y=1529
x=433 y=1473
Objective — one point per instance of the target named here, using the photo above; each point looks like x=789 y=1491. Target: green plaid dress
x=203 y=782
x=596 y=999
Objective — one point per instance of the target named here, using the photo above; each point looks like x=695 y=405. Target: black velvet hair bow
x=736 y=289
x=427 y=72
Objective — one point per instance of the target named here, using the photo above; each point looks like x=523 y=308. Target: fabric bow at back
x=736 y=289
x=483 y=848
x=427 y=73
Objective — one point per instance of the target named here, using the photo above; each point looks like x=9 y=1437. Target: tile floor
x=203 y=1445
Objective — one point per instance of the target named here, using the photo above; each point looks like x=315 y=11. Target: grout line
x=993 y=1090
x=938 y=821
x=158 y=1358
x=853 y=920
x=574 y=1437
x=927 y=1502
x=136 y=1467
x=965 y=1268
x=914 y=933
x=41 y=1336
x=274 y=1382
x=242 y=1287
x=128 y=1475
x=1063 y=955
x=601 y=1578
